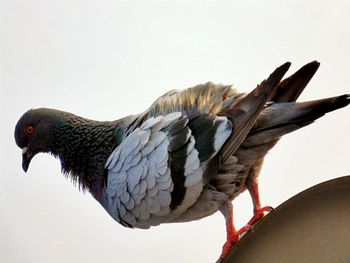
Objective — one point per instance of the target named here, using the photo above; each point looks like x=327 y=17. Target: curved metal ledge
x=312 y=226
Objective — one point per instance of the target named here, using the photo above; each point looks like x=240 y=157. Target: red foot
x=232 y=239
x=258 y=214
x=228 y=245
x=234 y=235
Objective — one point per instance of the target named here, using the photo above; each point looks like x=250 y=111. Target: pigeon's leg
x=259 y=211
x=232 y=235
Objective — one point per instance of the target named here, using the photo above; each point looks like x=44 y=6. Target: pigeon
x=186 y=157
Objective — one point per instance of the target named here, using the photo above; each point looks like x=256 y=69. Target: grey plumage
x=187 y=156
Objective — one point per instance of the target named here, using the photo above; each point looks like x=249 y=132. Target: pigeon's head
x=34 y=132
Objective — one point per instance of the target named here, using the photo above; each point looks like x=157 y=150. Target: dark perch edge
x=312 y=226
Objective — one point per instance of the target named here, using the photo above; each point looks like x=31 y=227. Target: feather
x=153 y=206
x=246 y=111
x=164 y=198
x=134 y=176
x=153 y=191
x=165 y=185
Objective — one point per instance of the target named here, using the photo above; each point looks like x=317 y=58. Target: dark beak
x=26 y=158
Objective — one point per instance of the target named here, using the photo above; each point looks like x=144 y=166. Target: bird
x=189 y=155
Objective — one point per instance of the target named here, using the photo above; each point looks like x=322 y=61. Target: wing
x=158 y=171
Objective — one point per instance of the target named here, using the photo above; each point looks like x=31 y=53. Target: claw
x=233 y=237
x=228 y=245
x=258 y=214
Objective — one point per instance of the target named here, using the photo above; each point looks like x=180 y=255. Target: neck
x=83 y=147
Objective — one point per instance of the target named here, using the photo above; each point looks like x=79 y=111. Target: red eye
x=30 y=130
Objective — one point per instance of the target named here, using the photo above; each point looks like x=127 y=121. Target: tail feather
x=281 y=118
x=317 y=108
x=245 y=112
x=290 y=88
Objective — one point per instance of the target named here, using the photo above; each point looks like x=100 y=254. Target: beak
x=26 y=158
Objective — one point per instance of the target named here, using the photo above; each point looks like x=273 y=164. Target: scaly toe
x=229 y=244
x=259 y=213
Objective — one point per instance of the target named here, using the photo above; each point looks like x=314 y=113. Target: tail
x=309 y=111
x=257 y=123
x=279 y=119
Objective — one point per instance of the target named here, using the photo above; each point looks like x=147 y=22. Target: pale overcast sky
x=107 y=59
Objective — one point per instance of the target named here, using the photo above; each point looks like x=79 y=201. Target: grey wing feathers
x=156 y=173
x=206 y=136
x=139 y=182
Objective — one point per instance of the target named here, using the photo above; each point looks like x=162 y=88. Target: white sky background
x=107 y=59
